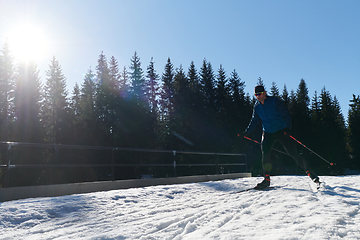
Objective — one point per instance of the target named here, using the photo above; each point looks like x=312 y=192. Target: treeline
x=194 y=109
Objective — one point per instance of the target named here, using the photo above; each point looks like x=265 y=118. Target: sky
x=294 y=209
x=280 y=41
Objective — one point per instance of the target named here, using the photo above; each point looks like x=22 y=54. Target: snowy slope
x=208 y=210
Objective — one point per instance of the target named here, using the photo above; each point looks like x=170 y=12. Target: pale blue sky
x=278 y=40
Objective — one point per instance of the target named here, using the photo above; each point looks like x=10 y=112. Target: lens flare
x=27 y=43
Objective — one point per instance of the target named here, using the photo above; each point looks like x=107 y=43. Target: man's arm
x=284 y=112
x=253 y=122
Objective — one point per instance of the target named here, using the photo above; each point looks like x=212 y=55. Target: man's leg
x=291 y=148
x=267 y=143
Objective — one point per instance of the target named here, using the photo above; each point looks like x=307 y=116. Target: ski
x=320 y=185
x=253 y=188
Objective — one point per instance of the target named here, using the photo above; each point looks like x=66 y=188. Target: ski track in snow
x=211 y=210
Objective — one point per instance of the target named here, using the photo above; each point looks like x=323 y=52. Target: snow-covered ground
x=211 y=210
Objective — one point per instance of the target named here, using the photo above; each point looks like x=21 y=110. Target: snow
x=295 y=209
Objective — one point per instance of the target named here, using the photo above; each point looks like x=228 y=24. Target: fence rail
x=10 y=146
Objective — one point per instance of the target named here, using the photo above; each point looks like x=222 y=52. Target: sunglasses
x=258 y=93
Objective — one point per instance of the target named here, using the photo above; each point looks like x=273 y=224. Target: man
x=276 y=122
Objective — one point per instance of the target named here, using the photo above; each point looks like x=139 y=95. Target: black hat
x=259 y=89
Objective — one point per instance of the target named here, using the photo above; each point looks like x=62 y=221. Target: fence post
x=246 y=163
x=217 y=164
x=174 y=153
x=7 y=181
x=112 y=166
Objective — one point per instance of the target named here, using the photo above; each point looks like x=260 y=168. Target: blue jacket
x=273 y=114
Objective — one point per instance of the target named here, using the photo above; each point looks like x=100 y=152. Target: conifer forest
x=192 y=108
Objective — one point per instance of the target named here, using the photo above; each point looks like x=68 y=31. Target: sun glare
x=27 y=42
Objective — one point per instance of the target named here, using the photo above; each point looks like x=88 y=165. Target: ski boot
x=314 y=178
x=264 y=184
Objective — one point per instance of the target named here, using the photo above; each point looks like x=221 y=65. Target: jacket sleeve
x=284 y=113
x=253 y=122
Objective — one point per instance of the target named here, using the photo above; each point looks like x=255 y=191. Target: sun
x=27 y=43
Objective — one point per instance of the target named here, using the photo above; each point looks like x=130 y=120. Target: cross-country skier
x=276 y=122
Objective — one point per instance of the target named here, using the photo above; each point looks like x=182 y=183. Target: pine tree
x=84 y=132
x=138 y=88
x=152 y=92
x=315 y=114
x=27 y=98
x=292 y=99
x=208 y=113
x=223 y=106
x=285 y=96
x=114 y=76
x=260 y=82
x=124 y=84
x=75 y=107
x=299 y=109
x=237 y=88
x=137 y=108
x=207 y=81
x=274 y=90
x=28 y=125
x=179 y=125
x=195 y=105
x=126 y=120
x=194 y=84
x=166 y=103
x=241 y=107
x=75 y=100
x=354 y=131
x=105 y=101
x=7 y=84
x=56 y=111
x=195 y=98
x=302 y=95
x=88 y=115
x=114 y=99
x=222 y=94
x=152 y=88
x=332 y=128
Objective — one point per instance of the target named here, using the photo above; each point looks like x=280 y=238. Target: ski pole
x=251 y=140
x=331 y=164
x=260 y=144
